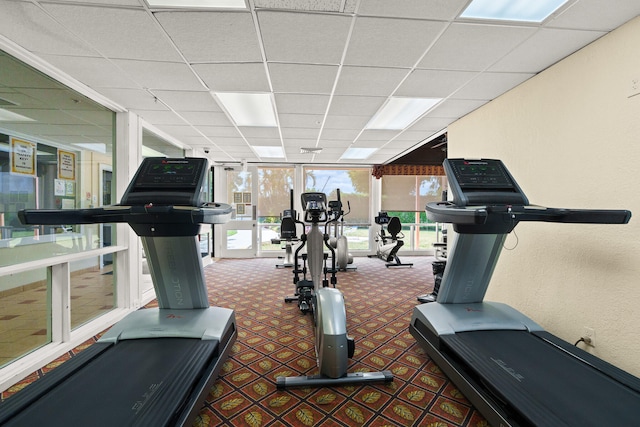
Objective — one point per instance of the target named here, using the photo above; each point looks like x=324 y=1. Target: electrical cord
x=579 y=341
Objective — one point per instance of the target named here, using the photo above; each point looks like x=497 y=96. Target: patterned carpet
x=275 y=339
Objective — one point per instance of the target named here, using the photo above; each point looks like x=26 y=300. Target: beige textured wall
x=571 y=138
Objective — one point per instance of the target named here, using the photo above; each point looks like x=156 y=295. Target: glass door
x=239 y=235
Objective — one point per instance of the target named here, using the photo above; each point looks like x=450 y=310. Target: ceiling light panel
x=269 y=151
x=357 y=153
x=9 y=116
x=249 y=109
x=512 y=10
x=398 y=113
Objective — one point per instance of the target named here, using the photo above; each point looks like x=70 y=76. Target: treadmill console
x=482 y=182
x=167 y=181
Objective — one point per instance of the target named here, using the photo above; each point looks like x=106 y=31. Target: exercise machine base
x=321 y=381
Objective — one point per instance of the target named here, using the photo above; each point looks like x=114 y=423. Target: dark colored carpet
x=275 y=339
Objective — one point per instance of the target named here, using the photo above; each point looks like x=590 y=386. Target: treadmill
x=513 y=371
x=156 y=366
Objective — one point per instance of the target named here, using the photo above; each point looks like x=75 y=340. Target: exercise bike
x=389 y=244
x=333 y=346
x=339 y=241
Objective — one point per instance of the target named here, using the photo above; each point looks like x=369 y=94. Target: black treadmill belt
x=136 y=382
x=545 y=385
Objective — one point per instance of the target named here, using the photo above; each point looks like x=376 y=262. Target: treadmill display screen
x=488 y=174
x=170 y=172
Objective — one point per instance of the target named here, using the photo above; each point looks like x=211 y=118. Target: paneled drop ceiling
x=329 y=65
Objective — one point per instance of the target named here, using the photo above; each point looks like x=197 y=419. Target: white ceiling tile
x=356 y=105
x=111 y=30
x=224 y=141
x=599 y=15
x=300 y=120
x=346 y=122
x=135 y=99
x=473 y=47
x=417 y=9
x=301 y=104
x=303 y=38
x=28 y=25
x=390 y=42
x=377 y=135
x=301 y=133
x=234 y=77
x=429 y=123
x=340 y=134
x=93 y=72
x=213 y=36
x=302 y=5
x=371 y=81
x=206 y=118
x=328 y=143
x=187 y=100
x=488 y=86
x=434 y=83
x=455 y=108
x=219 y=131
x=164 y=117
x=160 y=75
x=131 y=3
x=550 y=45
x=259 y=132
x=302 y=78
x=179 y=130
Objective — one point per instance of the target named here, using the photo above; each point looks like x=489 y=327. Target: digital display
x=171 y=172
x=480 y=174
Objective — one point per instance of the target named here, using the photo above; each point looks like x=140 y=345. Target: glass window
x=25 y=313
x=274 y=196
x=406 y=197
x=92 y=290
x=354 y=185
x=56 y=152
x=55 y=148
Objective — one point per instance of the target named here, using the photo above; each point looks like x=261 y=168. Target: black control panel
x=480 y=174
x=482 y=182
x=181 y=172
x=167 y=181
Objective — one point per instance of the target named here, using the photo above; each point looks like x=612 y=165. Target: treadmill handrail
x=447 y=212
x=211 y=213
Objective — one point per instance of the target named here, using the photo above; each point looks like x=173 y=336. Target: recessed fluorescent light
x=512 y=10
x=249 y=109
x=215 y=4
x=10 y=116
x=268 y=151
x=354 y=153
x=398 y=113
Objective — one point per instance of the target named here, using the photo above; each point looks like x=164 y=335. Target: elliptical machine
x=339 y=241
x=333 y=346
